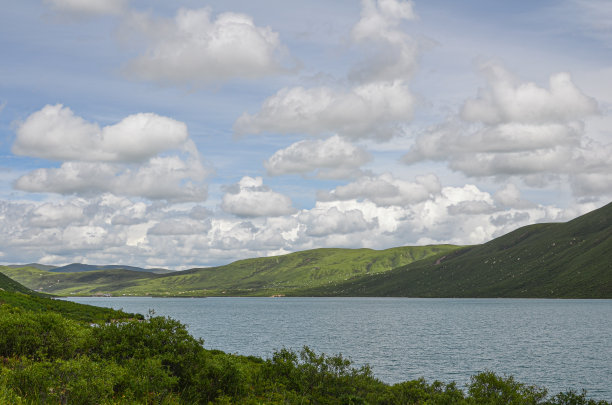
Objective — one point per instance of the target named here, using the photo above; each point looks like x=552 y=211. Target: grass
x=16 y=295
x=554 y=260
x=259 y=276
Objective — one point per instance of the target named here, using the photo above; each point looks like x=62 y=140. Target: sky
x=194 y=133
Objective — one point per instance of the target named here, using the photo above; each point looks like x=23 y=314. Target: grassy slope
x=269 y=275
x=89 y=282
x=565 y=260
x=16 y=295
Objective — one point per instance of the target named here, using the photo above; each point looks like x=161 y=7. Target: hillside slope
x=259 y=276
x=9 y=285
x=564 y=260
x=80 y=267
x=16 y=295
x=75 y=283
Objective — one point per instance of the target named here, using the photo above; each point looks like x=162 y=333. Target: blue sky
x=195 y=133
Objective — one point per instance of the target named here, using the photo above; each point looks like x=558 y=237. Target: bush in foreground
x=48 y=359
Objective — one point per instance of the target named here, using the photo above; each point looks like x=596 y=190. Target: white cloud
x=374 y=110
x=194 y=49
x=519 y=129
x=56 y=215
x=510 y=196
x=385 y=190
x=162 y=178
x=180 y=227
x=55 y=133
x=334 y=157
x=88 y=7
x=250 y=198
x=144 y=155
x=392 y=54
x=377 y=106
x=324 y=222
x=506 y=99
x=84 y=230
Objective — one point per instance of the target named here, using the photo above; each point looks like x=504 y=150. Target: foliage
x=71 y=310
x=489 y=388
x=47 y=358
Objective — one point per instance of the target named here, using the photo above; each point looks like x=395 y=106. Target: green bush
x=46 y=358
x=40 y=335
x=489 y=388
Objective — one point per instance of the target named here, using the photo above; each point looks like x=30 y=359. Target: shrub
x=40 y=335
x=489 y=388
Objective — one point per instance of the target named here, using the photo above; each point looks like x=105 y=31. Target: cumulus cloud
x=180 y=227
x=88 y=7
x=193 y=48
x=392 y=54
x=250 y=198
x=385 y=190
x=374 y=110
x=56 y=133
x=162 y=178
x=506 y=99
x=143 y=155
x=50 y=215
x=510 y=196
x=113 y=229
x=334 y=157
x=523 y=130
x=324 y=222
x=376 y=105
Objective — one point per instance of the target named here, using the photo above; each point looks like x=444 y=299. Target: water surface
x=558 y=344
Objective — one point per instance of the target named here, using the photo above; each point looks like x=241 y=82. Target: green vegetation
x=16 y=295
x=260 y=276
x=48 y=357
x=555 y=260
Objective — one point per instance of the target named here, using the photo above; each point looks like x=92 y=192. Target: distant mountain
x=34 y=265
x=80 y=267
x=563 y=260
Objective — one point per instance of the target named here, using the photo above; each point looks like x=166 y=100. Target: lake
x=558 y=344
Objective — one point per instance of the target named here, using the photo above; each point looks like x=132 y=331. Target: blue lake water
x=558 y=344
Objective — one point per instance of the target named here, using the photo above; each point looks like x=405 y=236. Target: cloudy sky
x=194 y=133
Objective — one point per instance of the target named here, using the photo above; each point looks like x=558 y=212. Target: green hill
x=87 y=282
x=14 y=294
x=259 y=276
x=11 y=286
x=563 y=260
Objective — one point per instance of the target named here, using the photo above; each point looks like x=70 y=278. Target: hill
x=259 y=276
x=561 y=260
x=35 y=265
x=80 y=267
x=16 y=295
x=11 y=286
x=75 y=283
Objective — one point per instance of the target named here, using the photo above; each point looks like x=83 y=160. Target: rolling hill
x=562 y=260
x=259 y=276
x=80 y=267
